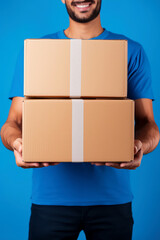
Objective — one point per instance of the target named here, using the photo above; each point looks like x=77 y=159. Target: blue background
x=19 y=19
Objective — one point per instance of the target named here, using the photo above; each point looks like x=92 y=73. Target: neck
x=84 y=30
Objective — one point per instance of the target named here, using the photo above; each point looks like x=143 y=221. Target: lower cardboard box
x=78 y=130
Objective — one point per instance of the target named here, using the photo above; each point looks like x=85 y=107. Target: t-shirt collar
x=103 y=35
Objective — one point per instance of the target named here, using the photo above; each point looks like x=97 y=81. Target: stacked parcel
x=76 y=107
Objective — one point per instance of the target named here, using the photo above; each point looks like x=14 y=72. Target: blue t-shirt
x=82 y=183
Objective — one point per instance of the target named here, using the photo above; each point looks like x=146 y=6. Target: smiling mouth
x=82 y=6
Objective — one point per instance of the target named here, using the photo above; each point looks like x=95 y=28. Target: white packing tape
x=75 y=67
x=77 y=129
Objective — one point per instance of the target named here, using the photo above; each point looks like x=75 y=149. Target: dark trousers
x=99 y=222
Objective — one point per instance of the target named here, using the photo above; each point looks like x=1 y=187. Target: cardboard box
x=75 y=68
x=56 y=130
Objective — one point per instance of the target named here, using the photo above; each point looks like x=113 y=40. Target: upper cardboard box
x=75 y=68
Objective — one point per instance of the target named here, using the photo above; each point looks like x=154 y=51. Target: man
x=69 y=197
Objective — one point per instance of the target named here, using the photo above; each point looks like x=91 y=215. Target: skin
x=146 y=131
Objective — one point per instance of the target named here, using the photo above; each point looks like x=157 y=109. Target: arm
x=11 y=134
x=146 y=129
x=12 y=129
x=146 y=134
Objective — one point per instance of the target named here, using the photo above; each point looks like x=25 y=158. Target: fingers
x=138 y=154
x=116 y=165
x=21 y=163
x=46 y=164
x=17 y=145
x=113 y=164
x=137 y=145
x=109 y=164
x=98 y=163
x=134 y=163
x=54 y=163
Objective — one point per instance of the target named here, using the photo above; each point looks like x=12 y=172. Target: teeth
x=83 y=6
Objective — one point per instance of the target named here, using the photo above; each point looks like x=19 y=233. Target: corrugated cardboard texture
x=104 y=68
x=109 y=130
x=47 y=127
x=108 y=134
x=47 y=65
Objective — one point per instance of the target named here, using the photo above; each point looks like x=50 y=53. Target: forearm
x=148 y=134
x=9 y=133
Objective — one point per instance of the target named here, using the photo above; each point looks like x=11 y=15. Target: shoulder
x=132 y=43
x=134 y=47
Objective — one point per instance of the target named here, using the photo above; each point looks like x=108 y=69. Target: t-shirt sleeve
x=139 y=76
x=16 y=89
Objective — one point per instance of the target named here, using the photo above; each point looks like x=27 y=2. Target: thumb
x=17 y=145
x=137 y=145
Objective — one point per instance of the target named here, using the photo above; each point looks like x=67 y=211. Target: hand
x=17 y=146
x=138 y=154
